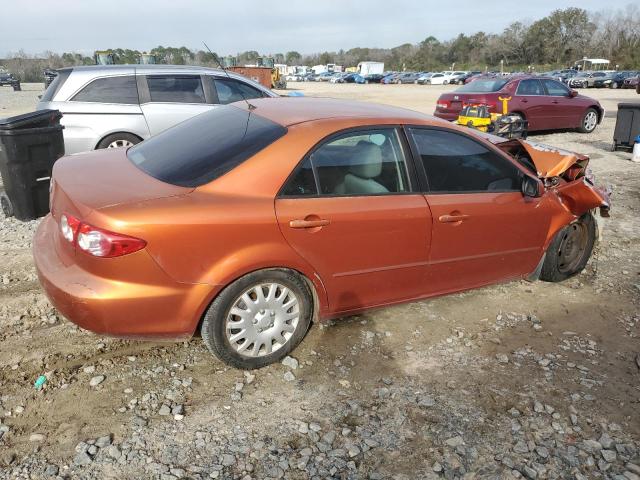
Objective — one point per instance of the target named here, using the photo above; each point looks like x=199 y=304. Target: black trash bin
x=29 y=146
x=627 y=126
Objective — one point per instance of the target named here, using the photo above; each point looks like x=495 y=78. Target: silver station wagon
x=121 y=105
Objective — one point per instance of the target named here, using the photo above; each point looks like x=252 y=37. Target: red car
x=545 y=103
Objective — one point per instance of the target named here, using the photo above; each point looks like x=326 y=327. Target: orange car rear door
x=352 y=210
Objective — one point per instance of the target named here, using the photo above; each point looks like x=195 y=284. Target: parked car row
x=593 y=79
x=422 y=78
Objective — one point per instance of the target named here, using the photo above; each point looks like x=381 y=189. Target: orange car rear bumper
x=151 y=304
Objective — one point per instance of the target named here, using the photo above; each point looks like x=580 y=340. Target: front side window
x=121 y=89
x=455 y=163
x=555 y=89
x=230 y=91
x=369 y=162
x=175 y=88
x=530 y=87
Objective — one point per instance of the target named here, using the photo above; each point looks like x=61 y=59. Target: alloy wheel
x=590 y=121
x=120 y=143
x=262 y=319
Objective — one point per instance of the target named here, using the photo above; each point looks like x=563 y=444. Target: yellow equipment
x=479 y=117
x=103 y=57
x=476 y=116
x=277 y=79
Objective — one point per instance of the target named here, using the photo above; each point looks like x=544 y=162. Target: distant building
x=370 y=68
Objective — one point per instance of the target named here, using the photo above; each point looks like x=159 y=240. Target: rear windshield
x=203 y=148
x=482 y=86
x=52 y=89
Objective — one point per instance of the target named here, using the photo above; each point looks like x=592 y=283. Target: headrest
x=369 y=160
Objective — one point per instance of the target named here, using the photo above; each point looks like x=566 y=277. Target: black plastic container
x=627 y=126
x=29 y=146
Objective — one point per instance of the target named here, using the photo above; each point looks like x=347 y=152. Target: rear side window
x=454 y=163
x=230 y=91
x=56 y=85
x=364 y=162
x=176 y=88
x=110 y=90
x=205 y=147
x=530 y=87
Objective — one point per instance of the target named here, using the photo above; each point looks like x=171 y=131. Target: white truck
x=370 y=68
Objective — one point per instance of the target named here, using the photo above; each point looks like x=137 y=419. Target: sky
x=229 y=27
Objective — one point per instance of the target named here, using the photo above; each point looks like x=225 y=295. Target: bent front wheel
x=570 y=250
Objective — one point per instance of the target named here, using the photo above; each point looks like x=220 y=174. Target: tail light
x=442 y=105
x=97 y=241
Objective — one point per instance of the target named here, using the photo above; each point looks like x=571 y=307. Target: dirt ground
x=520 y=380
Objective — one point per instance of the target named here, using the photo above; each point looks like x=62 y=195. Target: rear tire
x=117 y=140
x=570 y=250
x=218 y=329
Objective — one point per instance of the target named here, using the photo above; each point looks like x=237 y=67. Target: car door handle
x=453 y=218
x=524 y=100
x=555 y=101
x=309 y=223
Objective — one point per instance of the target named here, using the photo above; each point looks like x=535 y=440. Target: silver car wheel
x=262 y=320
x=120 y=143
x=590 y=121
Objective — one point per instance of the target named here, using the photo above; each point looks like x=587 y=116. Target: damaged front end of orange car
x=566 y=174
x=563 y=173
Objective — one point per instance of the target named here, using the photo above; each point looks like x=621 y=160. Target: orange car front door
x=484 y=229
x=480 y=238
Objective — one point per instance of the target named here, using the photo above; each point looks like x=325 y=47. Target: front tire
x=589 y=121
x=570 y=250
x=118 y=140
x=258 y=319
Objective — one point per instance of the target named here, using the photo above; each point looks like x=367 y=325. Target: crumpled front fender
x=581 y=195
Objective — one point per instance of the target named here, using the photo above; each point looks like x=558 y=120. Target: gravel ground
x=521 y=380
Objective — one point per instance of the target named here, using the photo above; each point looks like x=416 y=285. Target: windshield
x=205 y=147
x=483 y=86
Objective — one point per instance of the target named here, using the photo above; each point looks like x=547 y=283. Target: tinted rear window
x=52 y=89
x=120 y=89
x=482 y=86
x=201 y=149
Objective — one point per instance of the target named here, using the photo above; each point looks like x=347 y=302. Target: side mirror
x=531 y=187
x=573 y=93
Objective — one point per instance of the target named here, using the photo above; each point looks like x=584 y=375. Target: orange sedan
x=250 y=221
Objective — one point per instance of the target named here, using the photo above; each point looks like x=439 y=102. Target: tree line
x=555 y=41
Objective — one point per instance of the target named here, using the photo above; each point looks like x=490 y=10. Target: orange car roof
x=291 y=110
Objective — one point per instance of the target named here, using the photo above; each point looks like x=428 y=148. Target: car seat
x=360 y=176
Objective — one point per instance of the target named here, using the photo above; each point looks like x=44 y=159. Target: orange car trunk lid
x=100 y=179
